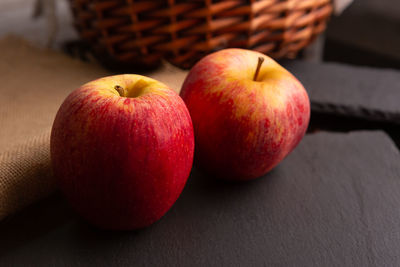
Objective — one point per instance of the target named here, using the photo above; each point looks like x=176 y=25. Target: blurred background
x=361 y=32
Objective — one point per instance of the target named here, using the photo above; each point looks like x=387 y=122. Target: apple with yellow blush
x=248 y=113
x=122 y=150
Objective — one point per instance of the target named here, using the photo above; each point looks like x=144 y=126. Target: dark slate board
x=368 y=25
x=335 y=201
x=359 y=91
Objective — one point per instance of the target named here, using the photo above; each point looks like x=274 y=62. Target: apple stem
x=260 y=62
x=120 y=90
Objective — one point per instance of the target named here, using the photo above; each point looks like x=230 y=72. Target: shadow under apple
x=55 y=233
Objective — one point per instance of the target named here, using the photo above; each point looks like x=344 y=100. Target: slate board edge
x=360 y=112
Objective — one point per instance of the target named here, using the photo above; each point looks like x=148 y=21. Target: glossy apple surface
x=122 y=149
x=244 y=127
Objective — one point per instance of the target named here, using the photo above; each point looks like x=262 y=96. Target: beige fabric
x=25 y=174
x=34 y=82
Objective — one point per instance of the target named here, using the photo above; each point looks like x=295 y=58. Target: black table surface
x=333 y=202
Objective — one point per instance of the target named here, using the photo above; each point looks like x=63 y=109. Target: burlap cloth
x=34 y=82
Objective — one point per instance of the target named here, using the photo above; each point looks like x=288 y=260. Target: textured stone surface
x=333 y=202
x=364 y=90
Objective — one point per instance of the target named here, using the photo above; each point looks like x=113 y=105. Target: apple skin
x=122 y=162
x=244 y=128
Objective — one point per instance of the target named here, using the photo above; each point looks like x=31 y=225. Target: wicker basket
x=143 y=32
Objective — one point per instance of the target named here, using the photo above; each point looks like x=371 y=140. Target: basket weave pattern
x=143 y=32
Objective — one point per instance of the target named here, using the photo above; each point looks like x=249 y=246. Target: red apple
x=122 y=149
x=247 y=114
